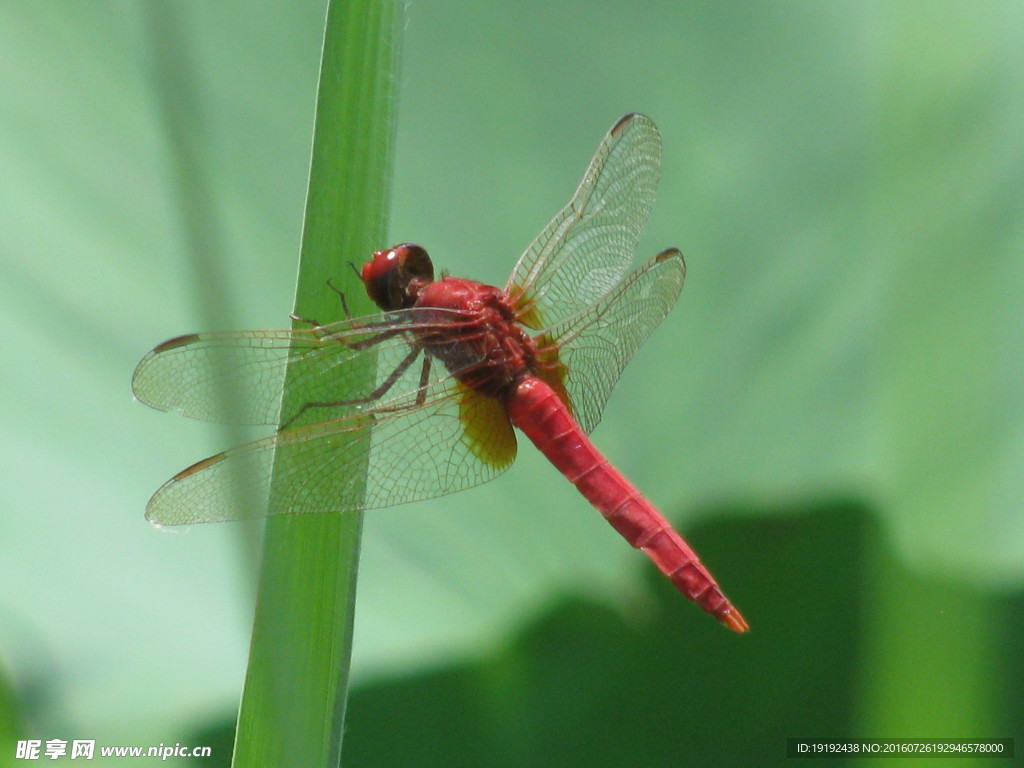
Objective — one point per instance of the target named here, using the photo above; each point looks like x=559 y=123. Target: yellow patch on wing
x=526 y=310
x=488 y=432
x=553 y=371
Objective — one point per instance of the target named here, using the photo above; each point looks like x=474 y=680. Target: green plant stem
x=293 y=705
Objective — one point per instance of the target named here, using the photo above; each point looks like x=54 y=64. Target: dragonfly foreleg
x=341 y=296
x=317 y=323
x=304 y=320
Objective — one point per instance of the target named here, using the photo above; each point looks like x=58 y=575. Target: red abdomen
x=536 y=410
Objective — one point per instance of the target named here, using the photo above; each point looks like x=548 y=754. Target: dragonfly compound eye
x=394 y=277
x=415 y=262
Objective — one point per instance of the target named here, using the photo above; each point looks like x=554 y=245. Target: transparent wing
x=583 y=252
x=238 y=376
x=411 y=453
x=594 y=345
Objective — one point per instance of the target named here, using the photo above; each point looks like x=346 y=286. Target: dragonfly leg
x=341 y=298
x=316 y=323
x=378 y=393
x=304 y=320
x=421 y=394
x=341 y=295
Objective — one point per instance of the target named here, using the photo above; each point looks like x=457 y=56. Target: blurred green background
x=833 y=414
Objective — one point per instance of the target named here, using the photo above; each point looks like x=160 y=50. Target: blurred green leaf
x=654 y=683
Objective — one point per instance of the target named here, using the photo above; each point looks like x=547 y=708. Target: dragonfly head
x=395 y=277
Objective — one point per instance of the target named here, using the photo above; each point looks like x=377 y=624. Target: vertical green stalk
x=293 y=705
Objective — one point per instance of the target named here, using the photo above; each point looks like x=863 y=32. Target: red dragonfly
x=458 y=364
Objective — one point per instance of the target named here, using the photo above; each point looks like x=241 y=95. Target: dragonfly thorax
x=477 y=337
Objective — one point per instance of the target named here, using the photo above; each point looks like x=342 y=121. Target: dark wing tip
x=156 y=511
x=199 y=466
x=627 y=120
x=672 y=253
x=138 y=380
x=177 y=341
x=623 y=123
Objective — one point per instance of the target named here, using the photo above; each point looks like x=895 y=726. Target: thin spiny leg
x=379 y=392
